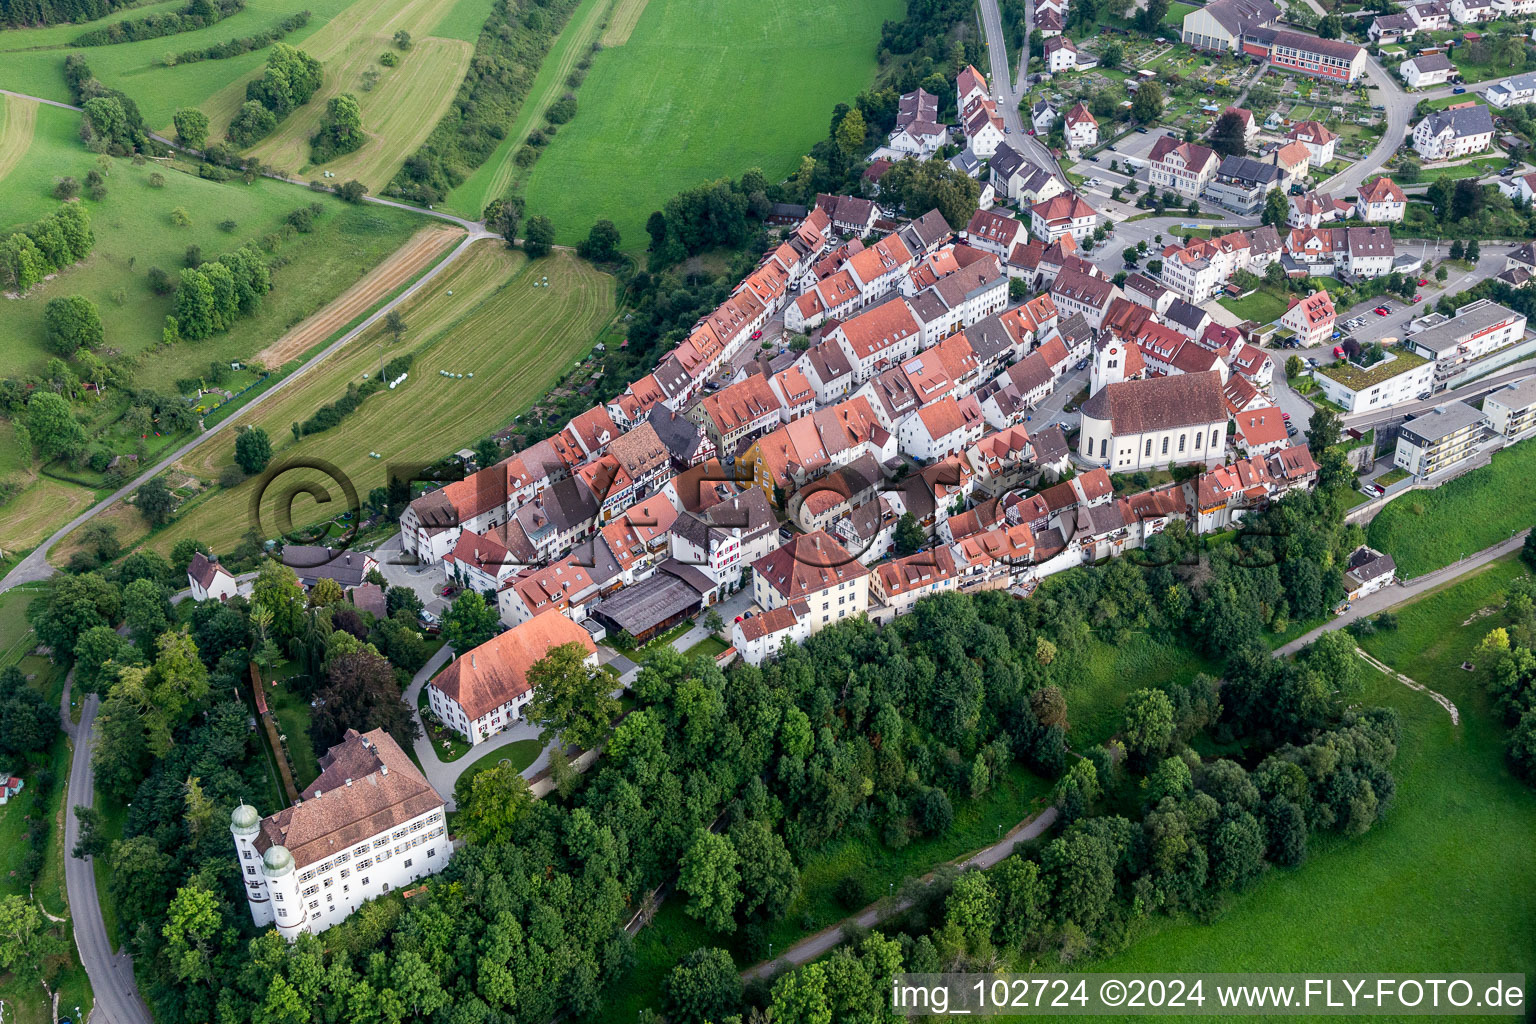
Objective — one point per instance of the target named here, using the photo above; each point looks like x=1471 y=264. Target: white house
x=1368 y=571
x=1446 y=134
x=1426 y=70
x=758 y=637
x=1311 y=318
x=1381 y=202
x=1082 y=130
x=1469 y=12
x=945 y=427
x=1060 y=55
x=1042 y=115
x=1513 y=91
x=1319 y=141
x=815 y=573
x=1062 y=215
x=206 y=578
x=1185 y=167
x=370 y=824
x=993 y=232
x=484 y=690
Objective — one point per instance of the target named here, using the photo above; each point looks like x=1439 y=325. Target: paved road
x=1010 y=87
x=1399 y=112
x=813 y=946
x=117 y=994
x=1403 y=592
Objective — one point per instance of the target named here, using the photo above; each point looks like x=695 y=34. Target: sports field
x=514 y=337
x=134 y=233
x=492 y=178
x=1443 y=883
x=698 y=91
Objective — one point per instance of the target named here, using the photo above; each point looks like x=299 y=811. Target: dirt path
x=1438 y=698
x=813 y=946
x=418 y=253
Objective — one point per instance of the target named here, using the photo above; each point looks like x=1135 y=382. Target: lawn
x=398 y=114
x=1429 y=529
x=978 y=823
x=1103 y=673
x=1262 y=306
x=133 y=233
x=483 y=316
x=448 y=744
x=1431 y=888
x=520 y=753
x=1481 y=166
x=293 y=715
x=492 y=179
x=699 y=91
x=709 y=647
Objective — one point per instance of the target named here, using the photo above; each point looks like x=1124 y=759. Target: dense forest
x=17 y=13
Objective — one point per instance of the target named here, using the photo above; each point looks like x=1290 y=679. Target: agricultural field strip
x=492 y=178
x=35 y=565
x=420 y=250
x=346 y=45
x=16 y=133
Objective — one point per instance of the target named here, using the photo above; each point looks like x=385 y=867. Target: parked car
x=756 y=335
x=1286 y=416
x=1007 y=130
x=1423 y=282
x=1290 y=430
x=1141 y=131
x=1031 y=131
x=1458 y=90
x=1380 y=311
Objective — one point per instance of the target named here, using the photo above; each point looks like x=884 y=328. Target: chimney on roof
x=471 y=659
x=349 y=783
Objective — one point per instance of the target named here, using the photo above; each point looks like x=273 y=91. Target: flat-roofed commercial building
x=1477 y=329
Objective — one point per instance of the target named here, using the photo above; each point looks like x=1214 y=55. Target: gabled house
x=1320 y=142
x=1310 y=318
x=208 y=580
x=1064 y=215
x=1426 y=70
x=1446 y=134
x=1082 y=129
x=993 y=232
x=1185 y=167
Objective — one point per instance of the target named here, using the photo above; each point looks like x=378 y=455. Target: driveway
x=444 y=774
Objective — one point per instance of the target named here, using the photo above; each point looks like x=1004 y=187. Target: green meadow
x=702 y=90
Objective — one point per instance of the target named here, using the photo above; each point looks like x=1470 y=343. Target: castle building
x=370 y=824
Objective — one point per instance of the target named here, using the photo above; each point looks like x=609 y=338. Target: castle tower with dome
x=371 y=823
